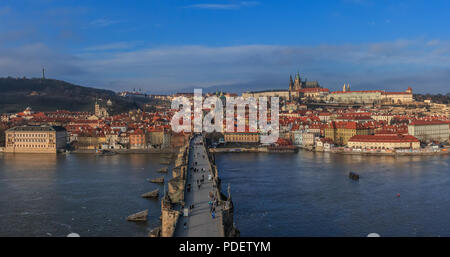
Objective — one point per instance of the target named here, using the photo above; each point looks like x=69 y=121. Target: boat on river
x=105 y=153
x=353 y=176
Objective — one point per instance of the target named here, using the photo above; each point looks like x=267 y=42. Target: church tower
x=298 y=82
x=346 y=88
x=291 y=87
x=291 y=83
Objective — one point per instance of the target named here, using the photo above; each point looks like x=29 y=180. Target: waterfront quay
x=199 y=221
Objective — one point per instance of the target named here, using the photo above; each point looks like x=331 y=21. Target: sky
x=164 y=46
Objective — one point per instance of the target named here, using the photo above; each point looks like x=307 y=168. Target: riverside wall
x=174 y=197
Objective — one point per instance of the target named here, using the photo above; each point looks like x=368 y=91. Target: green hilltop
x=50 y=95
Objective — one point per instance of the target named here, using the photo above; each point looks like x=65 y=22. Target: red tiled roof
x=396 y=93
x=346 y=125
x=383 y=139
x=428 y=122
x=313 y=90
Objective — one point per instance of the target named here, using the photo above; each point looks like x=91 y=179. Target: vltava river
x=303 y=194
x=54 y=195
x=310 y=194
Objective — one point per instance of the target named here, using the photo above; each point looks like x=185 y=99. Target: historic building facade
x=429 y=130
x=299 y=89
x=341 y=131
x=370 y=96
x=35 y=139
x=101 y=112
x=138 y=139
x=267 y=93
x=384 y=142
x=296 y=86
x=241 y=137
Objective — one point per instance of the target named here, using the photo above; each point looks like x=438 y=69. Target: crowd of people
x=200 y=180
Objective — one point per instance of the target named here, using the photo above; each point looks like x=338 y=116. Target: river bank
x=129 y=151
x=253 y=150
x=343 y=151
x=383 y=152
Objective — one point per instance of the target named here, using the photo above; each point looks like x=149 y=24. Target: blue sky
x=176 y=45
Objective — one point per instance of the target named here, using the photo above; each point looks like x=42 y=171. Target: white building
x=429 y=130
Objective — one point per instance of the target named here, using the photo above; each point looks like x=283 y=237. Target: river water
x=302 y=194
x=310 y=194
x=54 y=195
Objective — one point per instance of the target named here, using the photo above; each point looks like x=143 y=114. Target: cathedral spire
x=291 y=83
x=298 y=82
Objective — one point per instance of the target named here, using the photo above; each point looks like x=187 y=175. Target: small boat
x=139 y=216
x=353 y=176
x=163 y=170
x=152 y=194
x=106 y=153
x=157 y=180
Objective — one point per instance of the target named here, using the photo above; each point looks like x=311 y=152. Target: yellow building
x=87 y=142
x=384 y=142
x=341 y=131
x=241 y=137
x=35 y=139
x=155 y=137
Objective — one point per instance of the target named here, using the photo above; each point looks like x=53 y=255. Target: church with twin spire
x=298 y=83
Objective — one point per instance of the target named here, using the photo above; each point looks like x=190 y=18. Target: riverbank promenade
x=199 y=221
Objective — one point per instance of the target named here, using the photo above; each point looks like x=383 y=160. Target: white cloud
x=112 y=46
x=383 y=65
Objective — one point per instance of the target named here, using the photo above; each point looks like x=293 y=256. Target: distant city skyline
x=230 y=45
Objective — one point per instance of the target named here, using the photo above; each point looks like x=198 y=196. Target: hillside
x=51 y=95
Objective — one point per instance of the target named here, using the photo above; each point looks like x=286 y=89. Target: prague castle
x=299 y=89
x=369 y=96
x=298 y=84
x=296 y=88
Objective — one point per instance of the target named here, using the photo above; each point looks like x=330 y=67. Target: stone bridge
x=186 y=207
